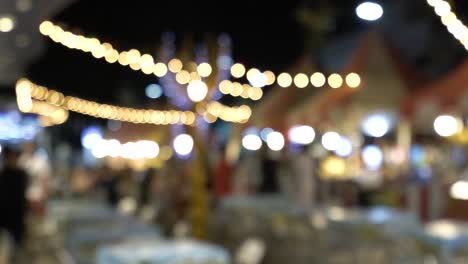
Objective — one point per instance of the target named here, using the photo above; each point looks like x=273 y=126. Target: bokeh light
x=318 y=79
x=353 y=80
x=7 y=23
x=302 y=135
x=183 y=144
x=284 y=80
x=252 y=142
x=301 y=80
x=331 y=140
x=447 y=125
x=275 y=141
x=369 y=11
x=204 y=69
x=90 y=137
x=175 y=65
x=237 y=70
x=377 y=125
x=153 y=91
x=197 y=91
x=265 y=132
x=459 y=190
x=335 y=80
x=372 y=156
x=345 y=148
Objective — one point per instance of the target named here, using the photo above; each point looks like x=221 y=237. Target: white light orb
x=369 y=11
x=446 y=125
x=147 y=149
x=130 y=151
x=372 y=157
x=302 y=135
x=442 y=8
x=114 y=148
x=331 y=140
x=345 y=147
x=7 y=23
x=275 y=141
x=183 y=144
x=90 y=137
x=197 y=90
x=99 y=149
x=376 y=125
x=252 y=142
x=257 y=78
x=459 y=190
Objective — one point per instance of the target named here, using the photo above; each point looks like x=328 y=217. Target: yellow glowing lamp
x=333 y=167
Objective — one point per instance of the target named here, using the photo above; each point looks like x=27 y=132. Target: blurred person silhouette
x=222 y=174
x=108 y=183
x=13 y=204
x=146 y=186
x=35 y=162
x=269 y=182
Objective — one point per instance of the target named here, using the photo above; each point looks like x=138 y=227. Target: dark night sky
x=265 y=34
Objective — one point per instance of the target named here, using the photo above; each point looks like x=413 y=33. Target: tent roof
x=376 y=61
x=446 y=91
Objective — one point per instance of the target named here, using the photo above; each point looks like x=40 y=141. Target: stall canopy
x=448 y=93
x=386 y=79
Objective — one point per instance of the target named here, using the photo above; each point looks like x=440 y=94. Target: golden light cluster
x=214 y=110
x=454 y=25
x=126 y=114
x=25 y=87
x=49 y=113
x=243 y=90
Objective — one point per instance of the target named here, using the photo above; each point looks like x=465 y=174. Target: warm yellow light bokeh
x=284 y=80
x=237 y=70
x=301 y=80
x=335 y=80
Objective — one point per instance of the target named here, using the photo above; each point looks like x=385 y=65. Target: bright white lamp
x=376 y=125
x=183 y=144
x=252 y=142
x=372 y=156
x=331 y=140
x=197 y=90
x=369 y=11
x=446 y=125
x=275 y=141
x=302 y=135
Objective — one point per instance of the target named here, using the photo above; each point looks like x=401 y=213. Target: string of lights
x=49 y=114
x=450 y=20
x=29 y=94
x=27 y=91
x=145 y=63
x=213 y=110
